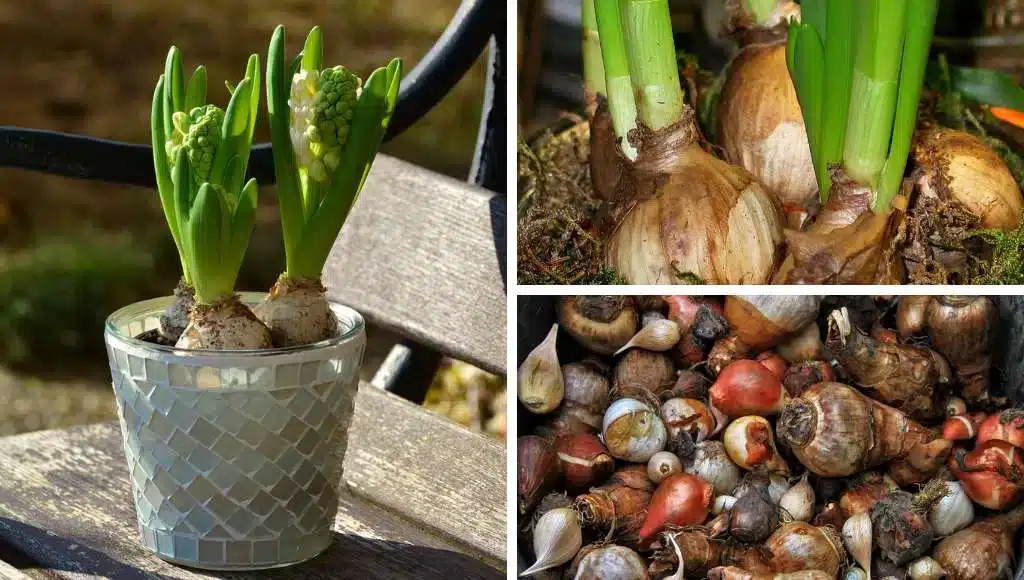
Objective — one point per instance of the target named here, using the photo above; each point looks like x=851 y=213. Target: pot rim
x=348 y=318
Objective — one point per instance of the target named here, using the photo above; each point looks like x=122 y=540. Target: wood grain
x=65 y=502
x=418 y=256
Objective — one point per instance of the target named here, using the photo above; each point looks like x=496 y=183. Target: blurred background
x=71 y=252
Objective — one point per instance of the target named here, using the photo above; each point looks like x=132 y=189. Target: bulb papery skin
x=836 y=432
x=964 y=329
x=760 y=125
x=925 y=569
x=763 y=321
x=690 y=213
x=982 y=551
x=797 y=546
x=539 y=381
x=584 y=399
x=956 y=166
x=297 y=313
x=227 y=324
x=633 y=431
x=612 y=563
x=798 y=502
x=621 y=503
x=680 y=500
x=689 y=415
x=1004 y=426
x=602 y=324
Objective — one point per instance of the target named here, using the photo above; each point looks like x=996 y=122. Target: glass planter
x=235 y=457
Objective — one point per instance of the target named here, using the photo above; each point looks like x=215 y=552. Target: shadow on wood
x=349 y=556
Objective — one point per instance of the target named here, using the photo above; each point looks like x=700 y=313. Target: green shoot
x=760 y=9
x=858 y=67
x=200 y=154
x=593 y=64
x=325 y=130
x=641 y=74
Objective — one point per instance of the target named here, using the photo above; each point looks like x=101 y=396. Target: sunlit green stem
x=921 y=15
x=621 y=103
x=874 y=91
x=593 y=63
x=650 y=49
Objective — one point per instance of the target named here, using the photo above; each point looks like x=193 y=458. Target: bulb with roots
x=297 y=312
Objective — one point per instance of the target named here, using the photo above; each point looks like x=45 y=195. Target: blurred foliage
x=57 y=295
x=469 y=396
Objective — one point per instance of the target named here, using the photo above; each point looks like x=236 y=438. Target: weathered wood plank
x=434 y=471
x=418 y=256
x=65 y=502
x=8 y=572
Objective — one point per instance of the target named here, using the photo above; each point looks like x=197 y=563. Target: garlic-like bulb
x=612 y=563
x=540 y=384
x=956 y=166
x=659 y=335
x=711 y=463
x=760 y=125
x=857 y=539
x=602 y=324
x=556 y=539
x=649 y=316
x=632 y=431
x=954 y=512
x=722 y=503
x=925 y=568
x=750 y=444
x=798 y=502
x=663 y=464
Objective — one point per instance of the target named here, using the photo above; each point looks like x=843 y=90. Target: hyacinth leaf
x=234 y=131
x=242 y=223
x=205 y=224
x=252 y=71
x=807 y=67
x=313 y=51
x=285 y=170
x=234 y=176
x=195 y=94
x=174 y=88
x=183 y=195
x=374 y=109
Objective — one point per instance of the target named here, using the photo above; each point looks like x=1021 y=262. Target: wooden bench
x=424 y=497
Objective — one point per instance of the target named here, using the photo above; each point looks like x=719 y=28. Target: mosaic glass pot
x=235 y=457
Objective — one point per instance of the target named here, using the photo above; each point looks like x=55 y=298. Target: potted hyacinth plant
x=235 y=406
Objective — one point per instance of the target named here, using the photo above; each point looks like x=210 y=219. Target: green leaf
x=983 y=86
x=234 y=175
x=807 y=68
x=234 y=131
x=183 y=207
x=195 y=95
x=242 y=223
x=288 y=192
x=313 y=50
x=205 y=224
x=176 y=78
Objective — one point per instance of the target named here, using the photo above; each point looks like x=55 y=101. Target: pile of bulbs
x=768 y=437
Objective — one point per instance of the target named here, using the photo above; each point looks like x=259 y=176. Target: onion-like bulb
x=983 y=550
x=690 y=213
x=680 y=500
x=835 y=431
x=662 y=465
x=584 y=401
x=538 y=470
x=602 y=324
x=612 y=563
x=963 y=329
x=956 y=166
x=750 y=444
x=798 y=502
x=1006 y=426
x=658 y=335
x=736 y=573
x=761 y=322
x=633 y=431
x=797 y=546
x=925 y=569
x=540 y=383
x=688 y=415
x=962 y=427
x=620 y=503
x=711 y=462
x=556 y=539
x=584 y=460
x=747 y=387
x=992 y=474
x=761 y=128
